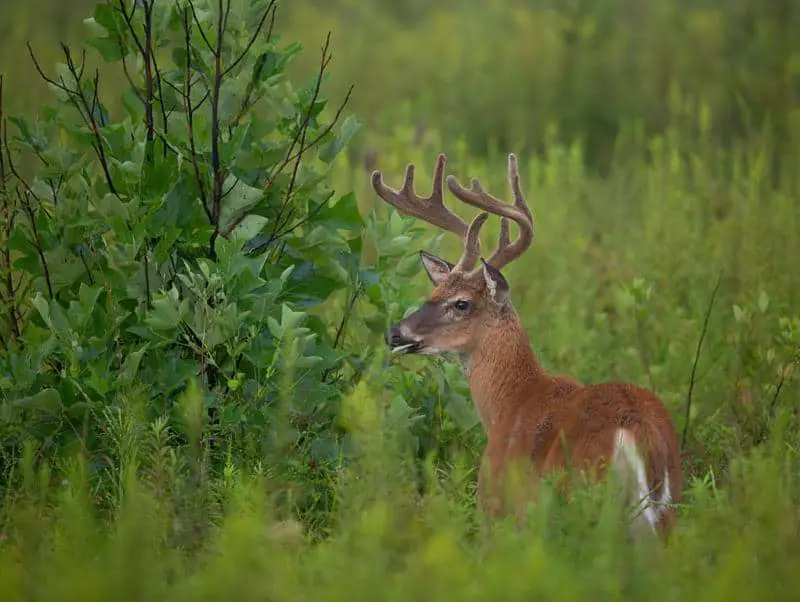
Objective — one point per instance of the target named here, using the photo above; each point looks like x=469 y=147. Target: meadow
x=197 y=401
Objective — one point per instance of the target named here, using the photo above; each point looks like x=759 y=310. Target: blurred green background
x=658 y=150
x=505 y=73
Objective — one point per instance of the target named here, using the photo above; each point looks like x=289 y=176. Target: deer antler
x=432 y=210
x=519 y=212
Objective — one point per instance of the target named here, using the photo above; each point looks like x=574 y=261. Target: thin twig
x=300 y=138
x=189 y=111
x=697 y=359
x=216 y=168
x=301 y=132
x=159 y=85
x=37 y=240
x=270 y=8
x=343 y=324
x=9 y=214
x=81 y=103
x=251 y=86
x=199 y=26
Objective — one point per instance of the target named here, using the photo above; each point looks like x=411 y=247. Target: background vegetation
x=195 y=280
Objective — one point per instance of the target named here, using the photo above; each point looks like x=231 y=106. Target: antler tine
x=472 y=244
x=431 y=208
x=519 y=212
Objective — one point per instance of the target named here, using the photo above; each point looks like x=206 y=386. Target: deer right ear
x=495 y=282
x=438 y=269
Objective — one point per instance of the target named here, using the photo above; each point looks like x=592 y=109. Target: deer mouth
x=405 y=348
x=401 y=341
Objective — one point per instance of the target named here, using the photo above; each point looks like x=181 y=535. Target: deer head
x=466 y=301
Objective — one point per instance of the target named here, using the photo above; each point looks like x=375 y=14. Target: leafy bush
x=193 y=237
x=196 y=396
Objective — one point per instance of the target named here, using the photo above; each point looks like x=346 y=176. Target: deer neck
x=502 y=371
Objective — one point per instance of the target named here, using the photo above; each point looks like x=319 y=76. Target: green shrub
x=192 y=237
x=194 y=410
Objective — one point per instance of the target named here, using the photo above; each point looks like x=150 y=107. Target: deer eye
x=461 y=305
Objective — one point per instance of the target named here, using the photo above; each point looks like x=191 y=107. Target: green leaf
x=168 y=311
x=132 y=361
x=157 y=173
x=265 y=66
x=343 y=214
x=349 y=129
x=88 y=297
x=110 y=206
x=274 y=327
x=46 y=400
x=291 y=318
x=240 y=199
x=43 y=307
x=181 y=205
x=249 y=227
x=763 y=302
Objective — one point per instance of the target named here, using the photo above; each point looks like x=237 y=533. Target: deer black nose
x=400 y=341
x=393 y=337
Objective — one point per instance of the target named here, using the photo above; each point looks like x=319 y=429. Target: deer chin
x=429 y=350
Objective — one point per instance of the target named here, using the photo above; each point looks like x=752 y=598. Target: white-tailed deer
x=543 y=421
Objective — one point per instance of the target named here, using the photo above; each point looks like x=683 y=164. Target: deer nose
x=393 y=337
x=397 y=337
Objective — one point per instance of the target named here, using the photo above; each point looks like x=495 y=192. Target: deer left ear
x=495 y=282
x=438 y=269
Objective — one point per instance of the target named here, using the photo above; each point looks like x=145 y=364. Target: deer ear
x=495 y=282
x=438 y=269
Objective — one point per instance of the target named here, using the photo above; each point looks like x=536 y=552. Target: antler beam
x=519 y=212
x=432 y=210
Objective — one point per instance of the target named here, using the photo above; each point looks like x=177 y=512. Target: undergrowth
x=196 y=399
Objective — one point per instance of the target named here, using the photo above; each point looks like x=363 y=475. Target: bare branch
x=186 y=94
x=219 y=173
x=300 y=137
x=199 y=26
x=271 y=8
x=159 y=82
x=37 y=240
x=135 y=88
x=128 y=18
x=696 y=360
x=299 y=140
x=359 y=288
x=81 y=104
x=9 y=214
x=251 y=85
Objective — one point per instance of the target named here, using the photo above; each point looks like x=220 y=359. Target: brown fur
x=532 y=419
x=524 y=409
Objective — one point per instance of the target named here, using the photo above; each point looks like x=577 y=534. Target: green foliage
x=192 y=237
x=733 y=543
x=195 y=282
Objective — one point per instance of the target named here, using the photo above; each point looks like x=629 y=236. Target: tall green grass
x=621 y=283
x=737 y=542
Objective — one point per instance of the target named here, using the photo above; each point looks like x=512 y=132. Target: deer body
x=534 y=420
